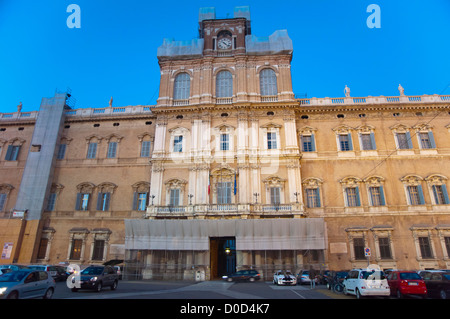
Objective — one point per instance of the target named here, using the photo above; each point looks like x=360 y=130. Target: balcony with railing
x=224 y=210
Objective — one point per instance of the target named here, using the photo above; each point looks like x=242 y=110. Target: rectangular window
x=51 y=202
x=99 y=248
x=92 y=151
x=224 y=193
x=271 y=141
x=112 y=150
x=352 y=194
x=145 y=149
x=42 y=248
x=2 y=201
x=345 y=142
x=425 y=248
x=82 y=201
x=12 y=153
x=358 y=247
x=312 y=197
x=440 y=194
x=425 y=140
x=75 y=252
x=385 y=248
x=308 y=143
x=415 y=195
x=368 y=142
x=447 y=245
x=61 y=151
x=224 y=142
x=103 y=200
x=178 y=144
x=404 y=141
x=174 y=197
x=376 y=196
x=275 y=197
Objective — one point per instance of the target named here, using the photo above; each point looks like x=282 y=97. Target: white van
x=366 y=282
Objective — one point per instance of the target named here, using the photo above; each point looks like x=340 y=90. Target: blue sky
x=114 y=51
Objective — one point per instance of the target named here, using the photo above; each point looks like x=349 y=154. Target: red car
x=404 y=283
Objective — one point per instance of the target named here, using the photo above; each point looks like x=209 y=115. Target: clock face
x=224 y=43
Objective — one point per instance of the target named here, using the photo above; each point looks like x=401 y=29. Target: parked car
x=14 y=267
x=57 y=272
x=303 y=277
x=403 y=283
x=438 y=284
x=117 y=264
x=335 y=277
x=423 y=272
x=25 y=284
x=96 y=277
x=366 y=282
x=249 y=274
x=284 y=277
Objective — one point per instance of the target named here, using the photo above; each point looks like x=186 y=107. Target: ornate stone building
x=229 y=170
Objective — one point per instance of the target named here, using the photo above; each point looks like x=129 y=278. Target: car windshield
x=447 y=276
x=410 y=276
x=92 y=271
x=341 y=274
x=376 y=275
x=13 y=276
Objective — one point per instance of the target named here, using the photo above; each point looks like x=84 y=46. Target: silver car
x=25 y=284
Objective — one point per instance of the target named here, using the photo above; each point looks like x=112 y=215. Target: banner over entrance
x=251 y=234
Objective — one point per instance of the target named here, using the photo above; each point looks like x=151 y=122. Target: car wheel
x=358 y=294
x=443 y=294
x=48 y=293
x=328 y=286
x=13 y=295
x=99 y=287
x=114 y=285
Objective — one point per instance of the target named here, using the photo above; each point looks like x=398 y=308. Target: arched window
x=224 y=84
x=182 y=87
x=268 y=82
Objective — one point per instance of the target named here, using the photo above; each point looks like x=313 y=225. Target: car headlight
x=2 y=290
x=93 y=279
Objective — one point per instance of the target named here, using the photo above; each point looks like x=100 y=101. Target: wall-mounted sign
x=7 y=249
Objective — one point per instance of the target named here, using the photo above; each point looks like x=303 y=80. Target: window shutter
x=421 y=199
x=431 y=138
x=318 y=197
x=350 y=143
x=372 y=139
x=99 y=201
x=383 y=201
x=78 y=202
x=9 y=153
x=408 y=140
x=358 y=201
x=313 y=143
x=135 y=201
x=107 y=200
x=444 y=191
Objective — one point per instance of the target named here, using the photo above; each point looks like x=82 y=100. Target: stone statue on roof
x=110 y=102
x=19 y=107
x=401 y=90
x=347 y=91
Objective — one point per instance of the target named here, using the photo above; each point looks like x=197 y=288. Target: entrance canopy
x=250 y=234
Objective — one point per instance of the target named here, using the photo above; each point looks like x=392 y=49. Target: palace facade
x=229 y=170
